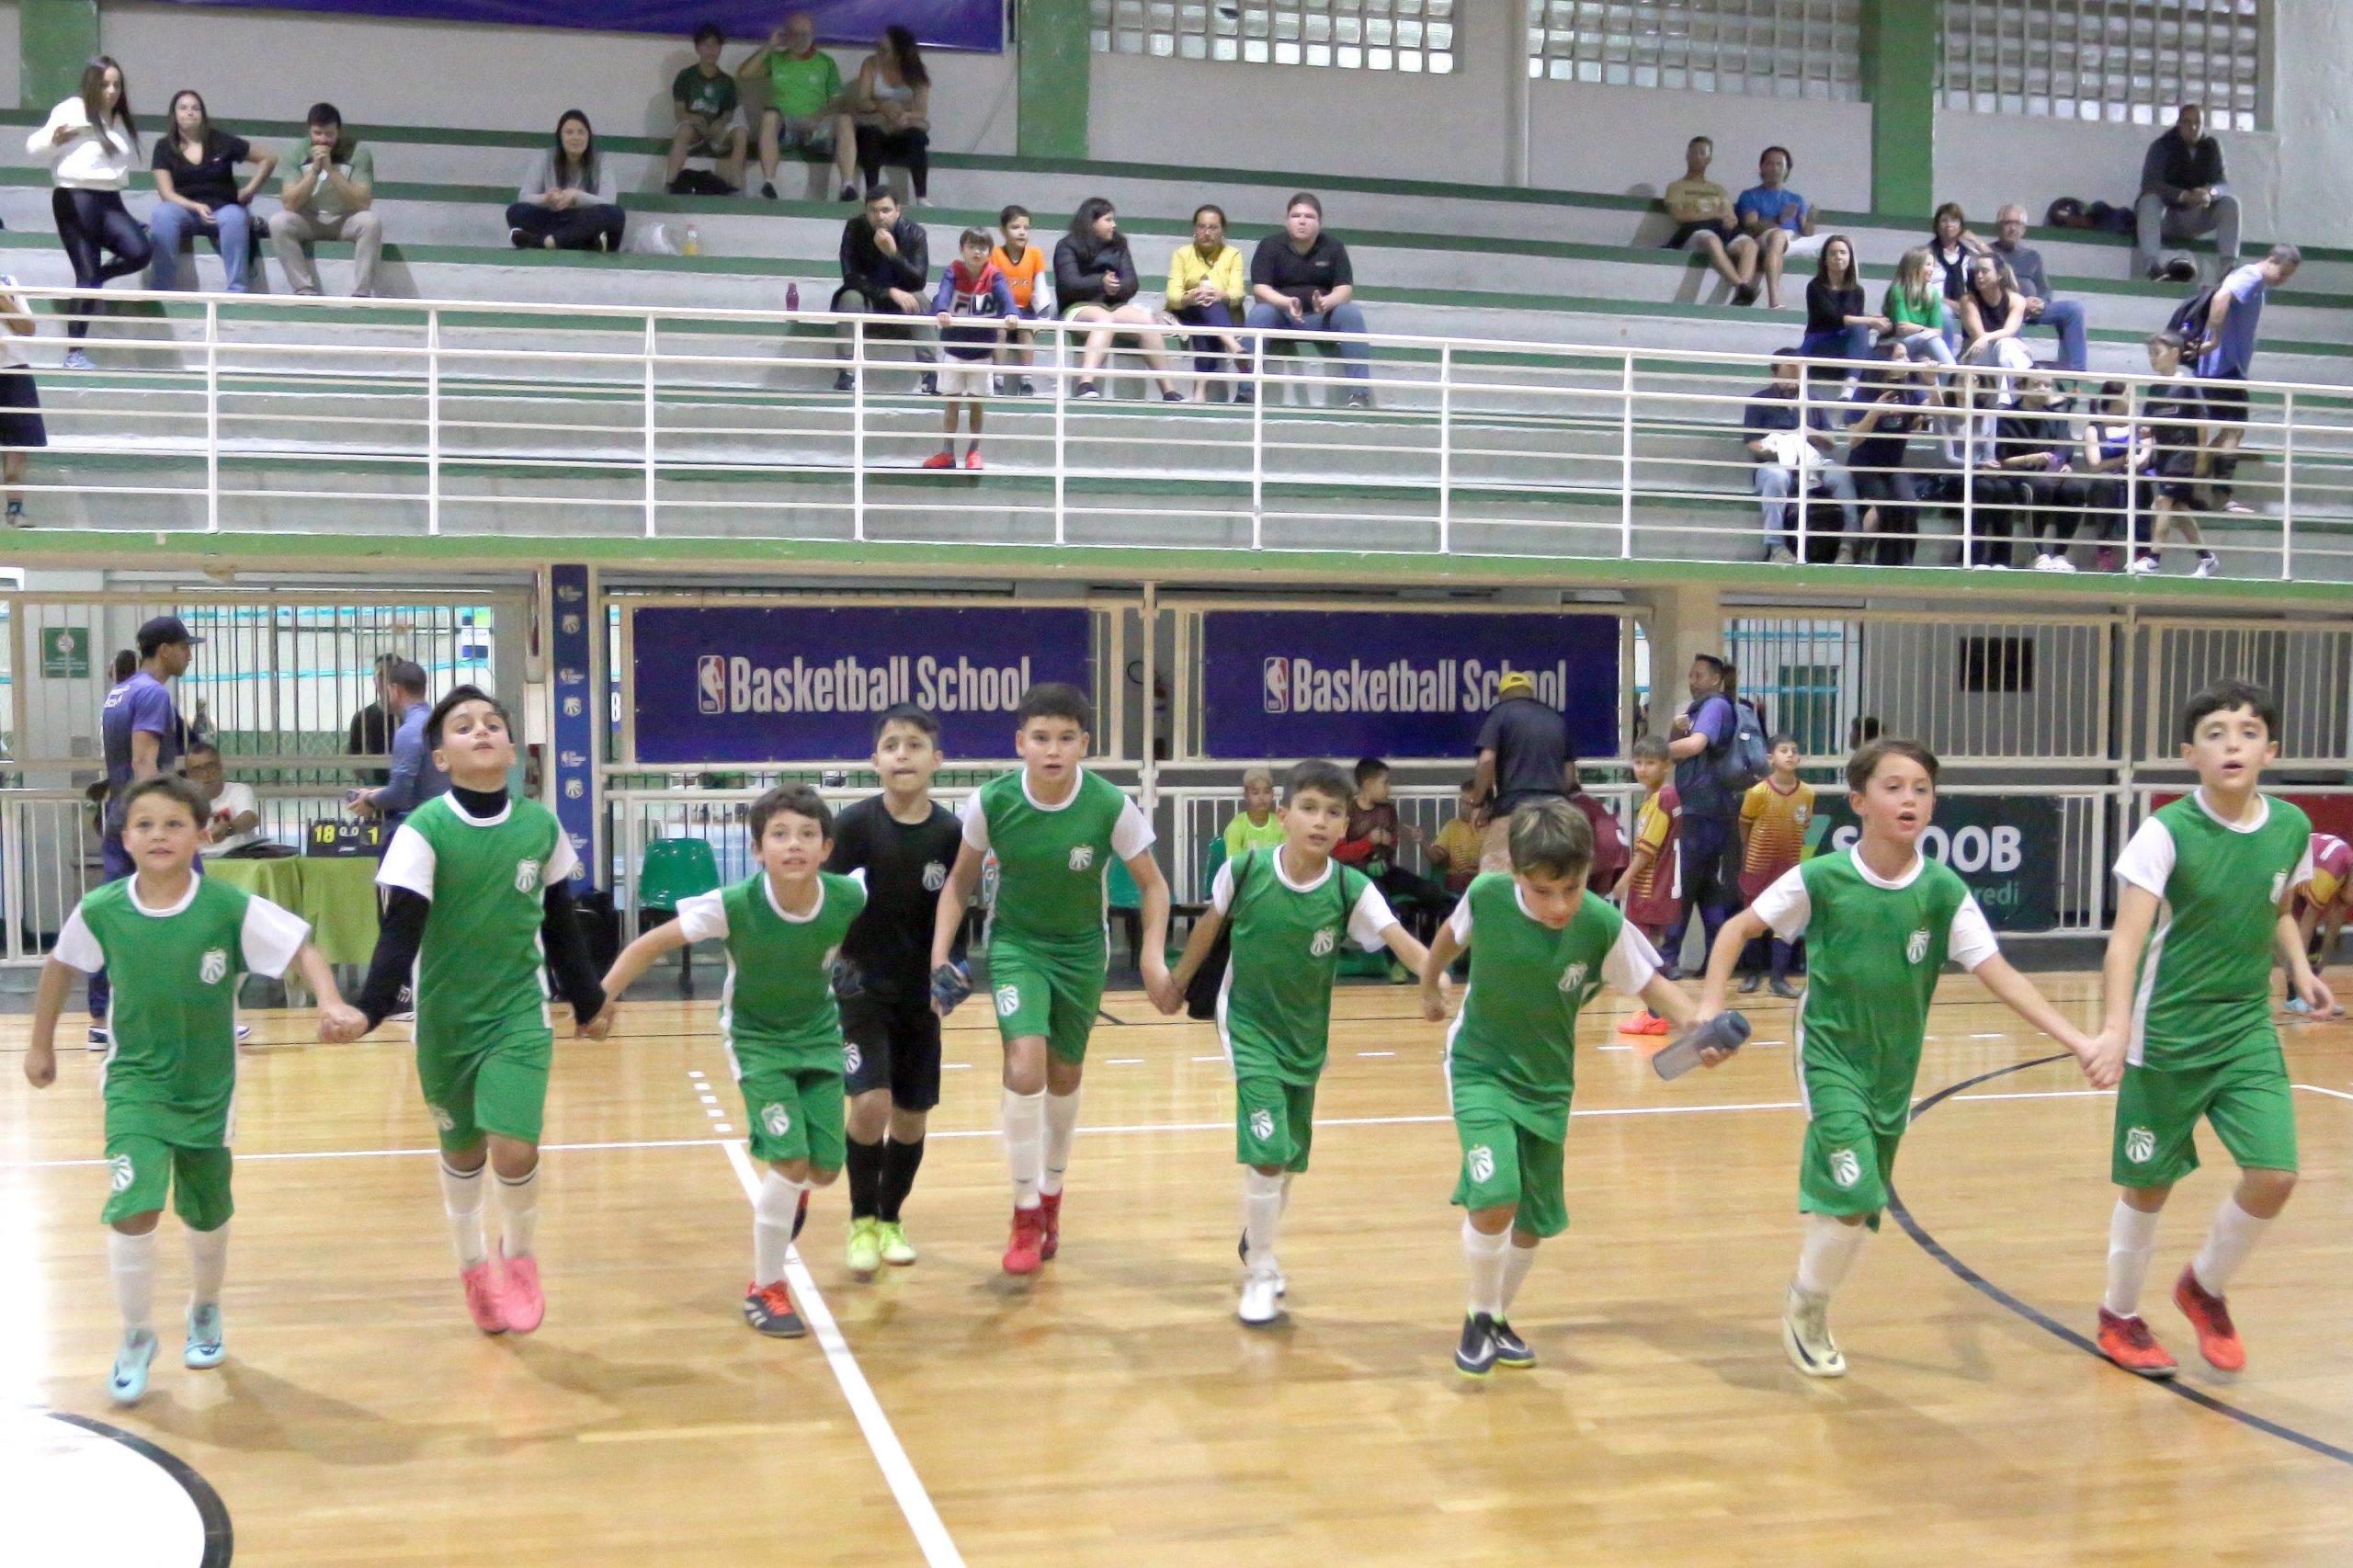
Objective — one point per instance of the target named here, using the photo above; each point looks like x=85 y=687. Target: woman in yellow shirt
x=1207 y=287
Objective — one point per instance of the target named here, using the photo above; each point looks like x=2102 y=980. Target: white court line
x=1376 y=1054
x=2332 y=1094
x=913 y=1501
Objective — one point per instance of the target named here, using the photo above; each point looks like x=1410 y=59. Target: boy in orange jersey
x=1029 y=273
x=1773 y=819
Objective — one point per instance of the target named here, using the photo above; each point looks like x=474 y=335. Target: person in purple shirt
x=142 y=735
x=1710 y=811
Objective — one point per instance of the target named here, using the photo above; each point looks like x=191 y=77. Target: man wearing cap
x=414 y=779
x=1523 y=750
x=143 y=734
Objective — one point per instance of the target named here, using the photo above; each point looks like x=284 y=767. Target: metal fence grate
x=1416 y=36
x=2125 y=61
x=1785 y=49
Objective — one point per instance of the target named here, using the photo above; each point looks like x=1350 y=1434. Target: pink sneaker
x=525 y=1304
x=485 y=1298
x=1050 y=1220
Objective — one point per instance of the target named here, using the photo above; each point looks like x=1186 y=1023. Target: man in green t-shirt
x=805 y=104
x=704 y=98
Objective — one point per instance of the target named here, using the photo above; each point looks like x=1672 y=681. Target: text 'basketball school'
x=1401 y=686
x=736 y=684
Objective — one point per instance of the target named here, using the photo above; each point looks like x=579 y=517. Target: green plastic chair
x=1126 y=901
x=675 y=869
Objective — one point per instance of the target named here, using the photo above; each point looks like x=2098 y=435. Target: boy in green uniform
x=778 y=1019
x=2208 y=896
x=703 y=97
x=1539 y=951
x=177 y=944
x=1289 y=909
x=1053 y=828
x=1881 y=919
x=478 y=905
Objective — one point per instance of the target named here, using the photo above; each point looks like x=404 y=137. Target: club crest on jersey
x=851 y=1058
x=213 y=966
x=1082 y=855
x=1008 y=1001
x=442 y=1120
x=119 y=1174
x=935 y=876
x=1324 y=941
x=2140 y=1145
x=1845 y=1169
x=777 y=1119
x=527 y=876
x=1917 y=948
x=1262 y=1124
x=1481 y=1163
x=1573 y=977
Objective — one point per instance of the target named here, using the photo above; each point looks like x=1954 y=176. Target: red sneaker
x=1021 y=1252
x=1643 y=1022
x=485 y=1297
x=524 y=1306
x=1049 y=1214
x=2129 y=1344
x=2211 y=1315
x=972 y=458
x=940 y=459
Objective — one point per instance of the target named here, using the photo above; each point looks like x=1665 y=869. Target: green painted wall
x=55 y=40
x=1900 y=81
x=1056 y=61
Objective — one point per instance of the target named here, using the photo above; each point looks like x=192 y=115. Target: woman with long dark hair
x=1836 y=321
x=197 y=191
x=1095 y=278
x=891 y=104
x=90 y=138
x=567 y=203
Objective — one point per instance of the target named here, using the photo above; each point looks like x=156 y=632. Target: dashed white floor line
x=1208 y=1058
x=1376 y=1054
x=955 y=1067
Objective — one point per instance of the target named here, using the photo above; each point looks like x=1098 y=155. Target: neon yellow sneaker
x=897 y=1251
x=865 y=1246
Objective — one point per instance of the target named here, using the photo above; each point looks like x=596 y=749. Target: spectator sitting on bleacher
x=1777 y=219
x=196 y=192
x=1703 y=220
x=805 y=103
x=703 y=97
x=886 y=263
x=1206 y=289
x=1454 y=853
x=2114 y=455
x=1888 y=411
x=891 y=103
x=566 y=203
x=1950 y=246
x=1915 y=308
x=1834 y=321
x=2182 y=196
x=1788 y=459
x=1992 y=312
x=330 y=195
x=1031 y=276
x=1096 y=280
x=2037 y=446
x=1983 y=498
x=1255 y=826
x=2063 y=316
x=1300 y=277
x=21 y=430
x=90 y=138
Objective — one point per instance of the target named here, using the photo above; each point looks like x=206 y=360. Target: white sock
x=772 y=1215
x=132 y=1259
x=1262 y=1214
x=461 y=1201
x=1517 y=1263
x=2132 y=1236
x=518 y=1213
x=1483 y=1259
x=1831 y=1248
x=1025 y=1144
x=2227 y=1245
x=208 y=1260
x=1062 y=1126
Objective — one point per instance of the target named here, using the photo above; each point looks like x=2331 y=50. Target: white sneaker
x=2208 y=566
x=76 y=360
x=1805 y=1334
x=1259 y=1291
x=2046 y=563
x=2061 y=563
x=2144 y=566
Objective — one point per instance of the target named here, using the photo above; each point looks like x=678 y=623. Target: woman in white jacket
x=91 y=141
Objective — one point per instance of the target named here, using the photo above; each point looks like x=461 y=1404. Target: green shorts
x=795 y=1114
x=1850 y=1153
x=494 y=1081
x=2246 y=1099
x=1274 y=1123
x=1506 y=1163
x=1040 y=992
x=142 y=1168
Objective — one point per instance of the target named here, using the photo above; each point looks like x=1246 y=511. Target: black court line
x=219 y=1541
x=2049 y=1325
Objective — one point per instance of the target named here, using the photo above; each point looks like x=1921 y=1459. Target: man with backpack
x=2221 y=329
x=1720 y=752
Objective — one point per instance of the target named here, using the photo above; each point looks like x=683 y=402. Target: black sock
x=864 y=1164
x=900 y=1163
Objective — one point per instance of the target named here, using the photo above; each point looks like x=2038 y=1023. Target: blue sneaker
x=203 y=1338
x=127 y=1381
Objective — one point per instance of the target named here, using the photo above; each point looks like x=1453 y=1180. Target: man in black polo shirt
x=1523 y=750
x=1301 y=278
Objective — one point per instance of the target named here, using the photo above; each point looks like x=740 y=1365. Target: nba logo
x=710 y=683
x=1277 y=686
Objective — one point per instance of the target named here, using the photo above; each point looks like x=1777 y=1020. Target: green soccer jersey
x=799 y=89
x=479 y=966
x=171 y=1068
x=712 y=96
x=1051 y=859
x=1275 y=1005
x=779 y=1010
x=2204 y=995
x=1518 y=1025
x=1874 y=948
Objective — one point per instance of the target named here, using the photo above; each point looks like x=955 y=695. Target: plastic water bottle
x=694 y=241
x=792 y=296
x=1727 y=1032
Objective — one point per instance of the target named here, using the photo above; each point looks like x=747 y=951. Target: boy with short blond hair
x=1257 y=826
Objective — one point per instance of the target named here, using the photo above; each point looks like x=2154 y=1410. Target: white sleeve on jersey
x=271 y=937
x=76 y=948
x=1221 y=890
x=408 y=863
x=976 y=821
x=1460 y=922
x=563 y=863
x=1131 y=835
x=1786 y=907
x=1370 y=918
x=703 y=917
x=2147 y=860
x=1970 y=941
x=1630 y=962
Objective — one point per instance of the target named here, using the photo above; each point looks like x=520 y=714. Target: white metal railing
x=414 y=417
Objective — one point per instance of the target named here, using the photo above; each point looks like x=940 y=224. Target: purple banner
x=1342 y=685
x=974 y=24
x=722 y=685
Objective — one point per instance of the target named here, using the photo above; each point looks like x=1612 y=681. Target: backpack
x=1745 y=759
x=2189 y=318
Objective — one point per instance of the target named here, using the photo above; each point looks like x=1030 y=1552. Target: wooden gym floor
x=1114 y=1412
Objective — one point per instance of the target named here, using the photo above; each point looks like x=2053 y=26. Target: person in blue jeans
x=1835 y=322
x=1788 y=462
x=141 y=732
x=1301 y=278
x=196 y=192
x=2064 y=317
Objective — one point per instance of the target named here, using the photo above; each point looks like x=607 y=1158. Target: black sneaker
x=849 y=193
x=1245 y=395
x=1745 y=295
x=1673 y=972
x=99 y=1038
x=768 y=189
x=1087 y=389
x=1783 y=989
x=845 y=382
x=518 y=239
x=1749 y=983
x=1359 y=400
x=1028 y=387
x=1172 y=397
x=929 y=383
x=1475 y=1356
x=768 y=1308
x=1511 y=1350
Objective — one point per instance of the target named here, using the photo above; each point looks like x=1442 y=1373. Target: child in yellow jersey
x=1651 y=892
x=1455 y=851
x=1773 y=819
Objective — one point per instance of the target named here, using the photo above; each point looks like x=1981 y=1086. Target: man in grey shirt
x=414 y=779
x=2064 y=317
